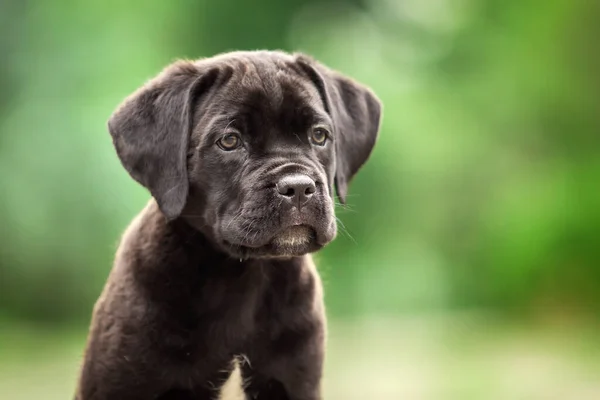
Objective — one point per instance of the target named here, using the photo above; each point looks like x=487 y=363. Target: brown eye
x=229 y=142
x=319 y=136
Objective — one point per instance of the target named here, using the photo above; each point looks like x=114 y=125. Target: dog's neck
x=180 y=244
x=176 y=241
x=162 y=255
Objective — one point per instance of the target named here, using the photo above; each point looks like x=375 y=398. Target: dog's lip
x=272 y=240
x=246 y=245
x=294 y=235
x=291 y=244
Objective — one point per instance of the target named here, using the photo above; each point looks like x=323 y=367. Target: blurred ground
x=453 y=357
x=482 y=192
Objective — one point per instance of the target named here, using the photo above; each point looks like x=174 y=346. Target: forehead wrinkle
x=274 y=94
x=304 y=97
x=268 y=78
x=244 y=105
x=310 y=94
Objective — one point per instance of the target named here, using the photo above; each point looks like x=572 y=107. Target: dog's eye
x=229 y=142
x=318 y=136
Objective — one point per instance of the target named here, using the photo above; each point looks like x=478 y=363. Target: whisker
x=345 y=230
x=227 y=126
x=238 y=215
x=248 y=230
x=345 y=207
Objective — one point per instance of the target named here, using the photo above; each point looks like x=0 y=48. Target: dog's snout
x=296 y=189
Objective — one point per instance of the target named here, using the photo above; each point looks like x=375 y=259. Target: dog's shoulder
x=140 y=235
x=137 y=244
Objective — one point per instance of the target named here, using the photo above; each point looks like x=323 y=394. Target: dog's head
x=247 y=147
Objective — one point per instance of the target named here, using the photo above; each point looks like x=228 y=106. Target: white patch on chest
x=233 y=388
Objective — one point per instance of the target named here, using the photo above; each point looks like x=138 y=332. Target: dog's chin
x=294 y=241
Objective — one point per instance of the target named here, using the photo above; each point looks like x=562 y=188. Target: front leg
x=298 y=365
x=103 y=379
x=109 y=381
x=120 y=364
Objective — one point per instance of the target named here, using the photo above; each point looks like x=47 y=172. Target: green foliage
x=482 y=191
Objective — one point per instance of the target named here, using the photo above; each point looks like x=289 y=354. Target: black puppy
x=241 y=153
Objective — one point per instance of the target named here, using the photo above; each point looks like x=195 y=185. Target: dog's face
x=248 y=146
x=261 y=163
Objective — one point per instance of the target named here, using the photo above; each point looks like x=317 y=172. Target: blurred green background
x=471 y=264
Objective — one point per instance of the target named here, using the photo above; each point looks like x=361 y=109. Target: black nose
x=296 y=189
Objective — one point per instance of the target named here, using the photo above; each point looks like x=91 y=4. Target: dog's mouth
x=295 y=240
x=296 y=235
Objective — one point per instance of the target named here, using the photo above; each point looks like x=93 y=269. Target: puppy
x=241 y=153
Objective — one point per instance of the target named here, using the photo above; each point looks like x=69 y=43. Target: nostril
x=296 y=188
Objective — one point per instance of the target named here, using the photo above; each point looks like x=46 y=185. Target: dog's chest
x=226 y=309
x=236 y=315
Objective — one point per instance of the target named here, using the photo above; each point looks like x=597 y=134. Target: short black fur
x=217 y=266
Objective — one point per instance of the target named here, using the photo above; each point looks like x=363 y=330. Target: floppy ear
x=151 y=128
x=356 y=114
